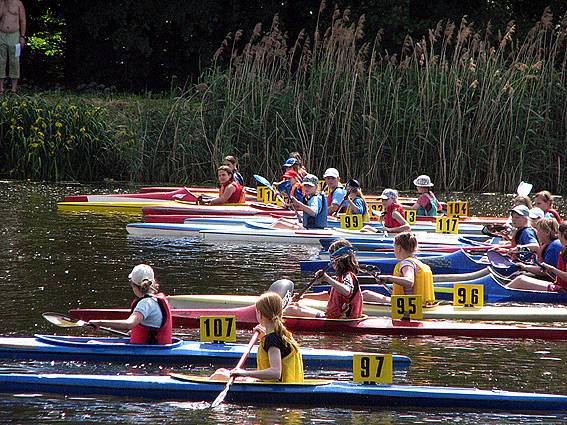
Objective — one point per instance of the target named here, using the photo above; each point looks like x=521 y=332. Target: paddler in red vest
x=393 y=218
x=150 y=319
x=230 y=192
x=344 y=300
x=544 y=201
x=410 y=276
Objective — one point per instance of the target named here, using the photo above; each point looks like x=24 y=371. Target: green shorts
x=8 y=41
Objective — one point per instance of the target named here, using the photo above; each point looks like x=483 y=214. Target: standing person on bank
x=12 y=40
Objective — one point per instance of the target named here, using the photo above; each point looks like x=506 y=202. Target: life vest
x=319 y=221
x=146 y=335
x=422 y=284
x=554 y=213
x=292 y=364
x=330 y=198
x=433 y=204
x=365 y=215
x=390 y=221
x=345 y=307
x=237 y=197
x=562 y=265
x=286 y=187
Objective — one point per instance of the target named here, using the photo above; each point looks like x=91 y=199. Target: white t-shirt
x=149 y=308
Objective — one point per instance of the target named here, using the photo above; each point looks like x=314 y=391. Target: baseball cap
x=140 y=273
x=311 y=179
x=521 y=210
x=389 y=194
x=536 y=213
x=331 y=172
x=290 y=162
x=353 y=183
x=423 y=181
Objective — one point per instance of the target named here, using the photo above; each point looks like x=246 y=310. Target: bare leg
x=375 y=297
x=301 y=311
x=14 y=85
x=529 y=283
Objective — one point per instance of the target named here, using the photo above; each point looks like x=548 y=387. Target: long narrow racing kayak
x=181 y=194
x=177 y=208
x=51 y=347
x=246 y=319
x=323 y=393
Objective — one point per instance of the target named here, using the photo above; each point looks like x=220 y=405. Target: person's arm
x=126 y=324
x=405 y=227
x=531 y=269
x=341 y=288
x=406 y=280
x=23 y=26
x=274 y=372
x=561 y=274
x=312 y=211
x=222 y=199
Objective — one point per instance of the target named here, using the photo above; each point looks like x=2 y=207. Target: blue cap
x=290 y=162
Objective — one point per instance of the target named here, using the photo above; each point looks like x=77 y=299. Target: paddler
x=426 y=204
x=230 y=192
x=291 y=180
x=232 y=163
x=544 y=200
x=314 y=205
x=279 y=358
x=344 y=301
x=411 y=276
x=356 y=204
x=336 y=193
x=393 y=219
x=524 y=236
x=150 y=318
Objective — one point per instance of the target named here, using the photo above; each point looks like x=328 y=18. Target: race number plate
x=458 y=208
x=351 y=221
x=372 y=368
x=468 y=295
x=447 y=225
x=407 y=307
x=218 y=328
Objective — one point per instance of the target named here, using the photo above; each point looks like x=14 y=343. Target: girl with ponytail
x=278 y=358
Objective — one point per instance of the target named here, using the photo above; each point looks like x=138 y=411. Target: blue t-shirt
x=551 y=253
x=361 y=208
x=526 y=236
x=338 y=195
x=149 y=308
x=318 y=204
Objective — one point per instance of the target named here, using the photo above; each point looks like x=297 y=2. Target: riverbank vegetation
x=476 y=108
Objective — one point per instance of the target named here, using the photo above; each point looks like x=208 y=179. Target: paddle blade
x=524 y=189
x=62 y=320
x=283 y=287
x=220 y=398
x=262 y=180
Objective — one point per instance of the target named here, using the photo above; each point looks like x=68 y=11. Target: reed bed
x=476 y=109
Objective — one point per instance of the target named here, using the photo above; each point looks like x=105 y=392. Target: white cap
x=389 y=194
x=521 y=210
x=423 y=181
x=536 y=213
x=331 y=172
x=140 y=273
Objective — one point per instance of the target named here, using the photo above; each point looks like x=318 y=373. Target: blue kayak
x=370 y=243
x=321 y=393
x=453 y=263
x=50 y=347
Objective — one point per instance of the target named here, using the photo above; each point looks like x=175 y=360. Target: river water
x=54 y=261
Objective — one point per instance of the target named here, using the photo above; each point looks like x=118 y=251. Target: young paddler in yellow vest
x=278 y=357
x=411 y=276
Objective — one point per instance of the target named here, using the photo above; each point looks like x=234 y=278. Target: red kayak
x=179 y=194
x=246 y=319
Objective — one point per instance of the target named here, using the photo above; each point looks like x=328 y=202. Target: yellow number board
x=374 y=207
x=458 y=208
x=218 y=328
x=468 y=295
x=407 y=307
x=372 y=368
x=447 y=225
x=351 y=221
x=260 y=193
x=410 y=216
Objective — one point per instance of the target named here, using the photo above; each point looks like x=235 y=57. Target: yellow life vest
x=423 y=281
x=292 y=365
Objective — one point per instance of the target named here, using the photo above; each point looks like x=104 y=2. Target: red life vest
x=562 y=265
x=554 y=213
x=390 y=221
x=162 y=335
x=292 y=174
x=345 y=307
x=237 y=197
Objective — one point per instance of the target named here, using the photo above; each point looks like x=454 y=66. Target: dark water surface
x=53 y=261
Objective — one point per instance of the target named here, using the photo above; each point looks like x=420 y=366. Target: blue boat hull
x=46 y=347
x=327 y=394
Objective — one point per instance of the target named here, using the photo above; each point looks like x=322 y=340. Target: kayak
x=246 y=319
x=466 y=244
x=177 y=208
x=317 y=392
x=181 y=194
x=122 y=206
x=51 y=347
x=452 y=263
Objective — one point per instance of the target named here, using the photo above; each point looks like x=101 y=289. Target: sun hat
x=290 y=162
x=389 y=194
x=311 y=180
x=521 y=210
x=353 y=183
x=331 y=172
x=140 y=273
x=536 y=213
x=423 y=181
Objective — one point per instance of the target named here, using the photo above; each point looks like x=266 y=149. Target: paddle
x=375 y=272
x=66 y=322
x=283 y=287
x=265 y=182
x=524 y=189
